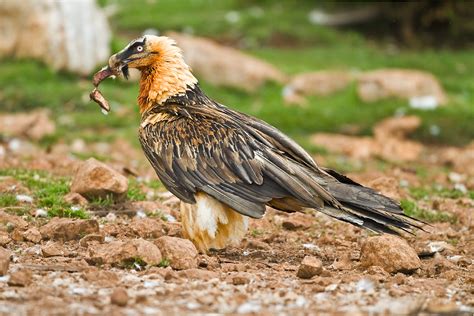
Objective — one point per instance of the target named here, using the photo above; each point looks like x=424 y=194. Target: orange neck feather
x=164 y=78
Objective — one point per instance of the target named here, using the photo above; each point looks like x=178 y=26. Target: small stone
x=75 y=199
x=69 y=229
x=391 y=253
x=4 y=260
x=120 y=252
x=240 y=278
x=32 y=235
x=94 y=179
x=309 y=267
x=119 y=297
x=20 y=278
x=4 y=238
x=17 y=235
x=53 y=249
x=91 y=238
x=297 y=221
x=181 y=253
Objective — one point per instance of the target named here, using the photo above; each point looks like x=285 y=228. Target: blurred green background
x=281 y=33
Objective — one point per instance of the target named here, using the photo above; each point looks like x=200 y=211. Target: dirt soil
x=257 y=277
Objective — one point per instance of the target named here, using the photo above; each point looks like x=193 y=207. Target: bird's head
x=164 y=72
x=144 y=52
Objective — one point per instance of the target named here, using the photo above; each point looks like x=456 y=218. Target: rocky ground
x=71 y=244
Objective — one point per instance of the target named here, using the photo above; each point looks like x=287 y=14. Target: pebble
x=20 y=278
x=33 y=235
x=240 y=278
x=309 y=267
x=119 y=297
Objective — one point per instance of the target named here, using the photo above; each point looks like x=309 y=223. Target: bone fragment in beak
x=96 y=95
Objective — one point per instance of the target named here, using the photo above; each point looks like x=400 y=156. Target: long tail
x=364 y=207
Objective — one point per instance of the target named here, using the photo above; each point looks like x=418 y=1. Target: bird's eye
x=139 y=48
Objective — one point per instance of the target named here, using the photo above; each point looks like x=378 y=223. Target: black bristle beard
x=125 y=72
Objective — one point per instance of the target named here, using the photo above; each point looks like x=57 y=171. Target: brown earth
x=115 y=264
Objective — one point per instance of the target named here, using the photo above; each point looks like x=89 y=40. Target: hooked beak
x=119 y=65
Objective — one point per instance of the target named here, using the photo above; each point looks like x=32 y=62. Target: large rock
x=391 y=253
x=181 y=253
x=71 y=35
x=123 y=252
x=225 y=66
x=319 y=83
x=400 y=83
x=68 y=229
x=94 y=179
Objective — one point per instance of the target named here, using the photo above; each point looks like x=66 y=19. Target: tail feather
x=364 y=207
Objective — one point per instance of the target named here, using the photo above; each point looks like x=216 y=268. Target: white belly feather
x=212 y=224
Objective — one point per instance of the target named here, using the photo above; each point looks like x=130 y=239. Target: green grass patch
x=135 y=192
x=106 y=201
x=157 y=214
x=154 y=184
x=71 y=212
x=7 y=200
x=425 y=193
x=48 y=192
x=164 y=263
x=256 y=232
x=431 y=216
x=135 y=263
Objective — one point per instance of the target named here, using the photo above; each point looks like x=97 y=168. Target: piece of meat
x=95 y=94
x=97 y=97
x=101 y=75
